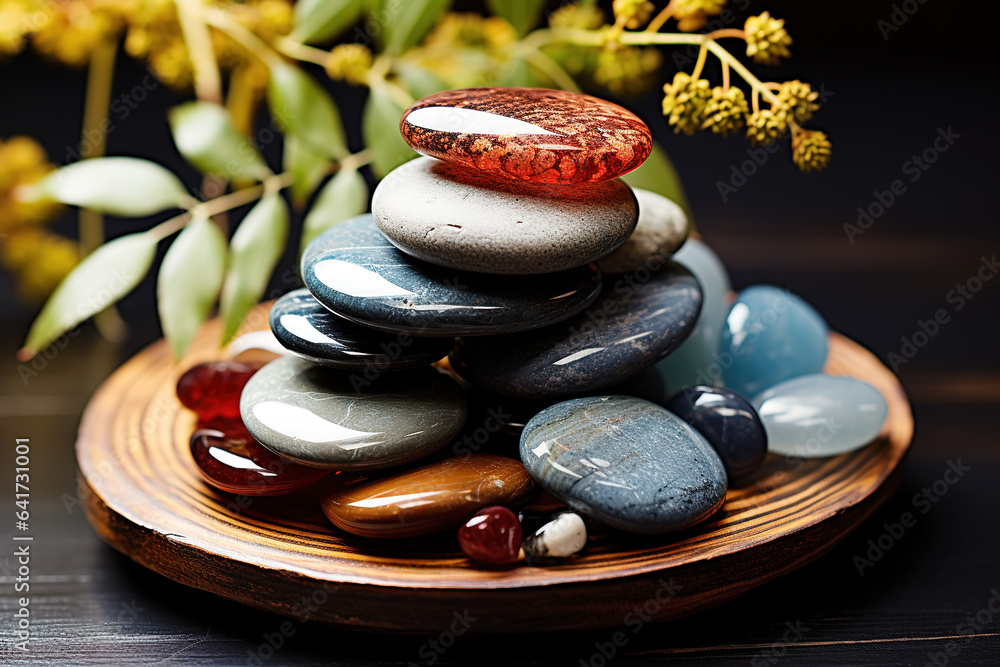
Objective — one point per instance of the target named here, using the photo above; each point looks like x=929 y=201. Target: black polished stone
x=728 y=422
x=303 y=326
x=632 y=325
x=354 y=271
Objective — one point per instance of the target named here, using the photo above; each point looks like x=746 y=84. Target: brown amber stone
x=237 y=463
x=434 y=497
x=530 y=134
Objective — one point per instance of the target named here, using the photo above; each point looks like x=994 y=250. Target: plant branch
x=303 y=52
x=549 y=68
x=219 y=19
x=662 y=17
x=207 y=80
x=93 y=143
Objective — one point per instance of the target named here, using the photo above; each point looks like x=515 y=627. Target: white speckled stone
x=661 y=230
x=563 y=536
x=458 y=218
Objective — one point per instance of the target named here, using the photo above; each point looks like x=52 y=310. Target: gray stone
x=625 y=462
x=327 y=418
x=661 y=230
x=464 y=220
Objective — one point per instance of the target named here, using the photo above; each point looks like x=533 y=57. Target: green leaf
x=521 y=74
x=116 y=185
x=307 y=167
x=254 y=251
x=302 y=108
x=101 y=279
x=405 y=22
x=189 y=281
x=380 y=128
x=417 y=81
x=659 y=175
x=522 y=14
x=319 y=21
x=345 y=196
x=206 y=137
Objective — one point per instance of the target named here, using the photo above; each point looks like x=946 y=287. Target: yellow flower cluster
x=685 y=102
x=465 y=50
x=350 y=63
x=726 y=111
x=767 y=39
x=72 y=29
x=154 y=34
x=18 y=19
x=692 y=15
x=633 y=14
x=811 y=150
x=577 y=17
x=37 y=257
x=798 y=100
x=766 y=126
x=627 y=70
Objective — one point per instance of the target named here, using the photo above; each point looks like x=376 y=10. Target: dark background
x=888 y=98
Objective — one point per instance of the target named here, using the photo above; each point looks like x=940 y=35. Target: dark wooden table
x=912 y=605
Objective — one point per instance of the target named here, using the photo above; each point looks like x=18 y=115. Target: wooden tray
x=145 y=498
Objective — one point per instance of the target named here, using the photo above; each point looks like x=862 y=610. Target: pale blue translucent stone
x=769 y=336
x=692 y=362
x=820 y=415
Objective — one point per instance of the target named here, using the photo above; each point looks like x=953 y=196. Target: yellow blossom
x=693 y=14
x=39 y=260
x=350 y=63
x=764 y=127
x=726 y=111
x=798 y=99
x=577 y=16
x=22 y=162
x=72 y=29
x=685 y=101
x=767 y=40
x=633 y=14
x=811 y=150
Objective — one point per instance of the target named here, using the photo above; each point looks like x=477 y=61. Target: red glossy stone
x=492 y=536
x=529 y=134
x=213 y=389
x=242 y=465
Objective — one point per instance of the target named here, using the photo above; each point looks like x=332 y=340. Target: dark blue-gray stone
x=728 y=422
x=303 y=326
x=631 y=326
x=625 y=462
x=354 y=271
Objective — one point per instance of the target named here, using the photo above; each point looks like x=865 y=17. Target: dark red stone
x=239 y=464
x=492 y=536
x=576 y=138
x=213 y=389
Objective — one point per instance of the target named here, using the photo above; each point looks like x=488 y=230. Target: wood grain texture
x=144 y=497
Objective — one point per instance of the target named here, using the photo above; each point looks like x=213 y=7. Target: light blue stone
x=769 y=336
x=820 y=415
x=692 y=362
